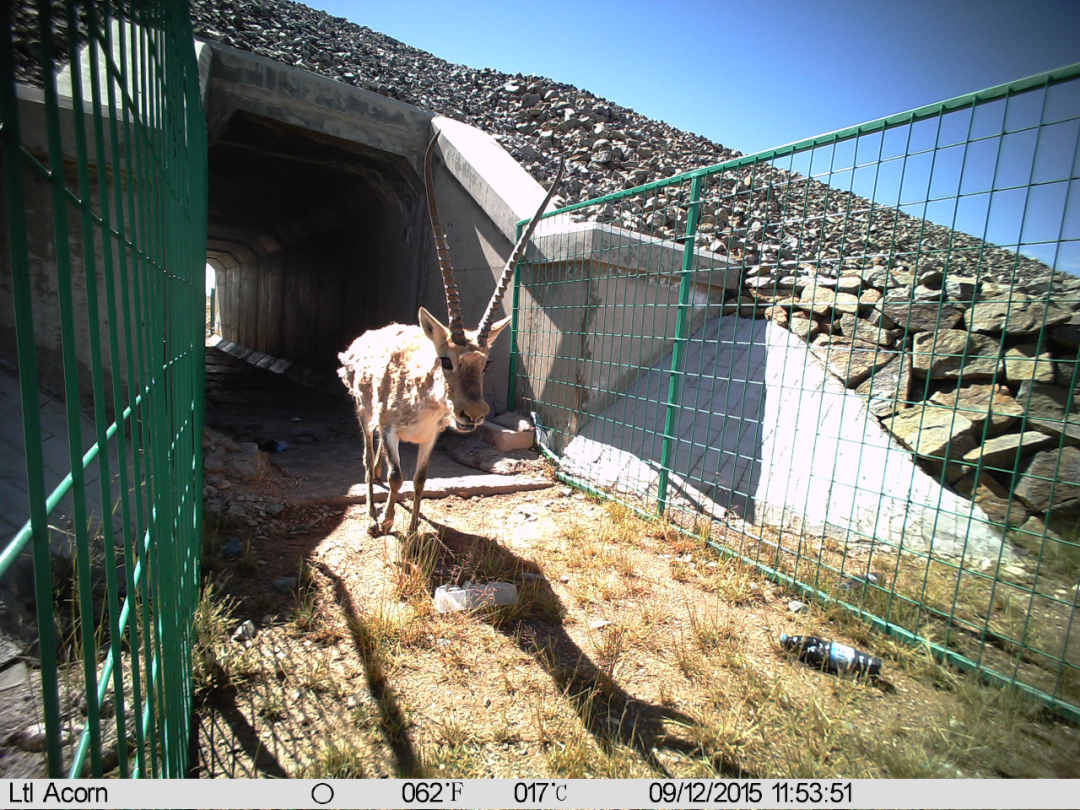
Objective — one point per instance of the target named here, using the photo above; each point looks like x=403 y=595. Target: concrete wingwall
x=764 y=434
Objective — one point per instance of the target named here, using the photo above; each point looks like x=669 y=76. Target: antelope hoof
x=377 y=528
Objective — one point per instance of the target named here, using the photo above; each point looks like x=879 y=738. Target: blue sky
x=749 y=75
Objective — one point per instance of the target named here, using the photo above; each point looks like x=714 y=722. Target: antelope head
x=463 y=353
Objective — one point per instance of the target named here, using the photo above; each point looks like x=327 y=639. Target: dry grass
x=634 y=651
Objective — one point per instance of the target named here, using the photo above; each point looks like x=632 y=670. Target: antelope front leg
x=423 y=456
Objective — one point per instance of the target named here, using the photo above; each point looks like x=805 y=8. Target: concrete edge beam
x=436 y=488
x=239 y=80
x=498 y=183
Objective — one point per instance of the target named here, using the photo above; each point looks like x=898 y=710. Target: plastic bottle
x=831 y=656
x=453 y=598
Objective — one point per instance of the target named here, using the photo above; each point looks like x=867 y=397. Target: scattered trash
x=233 y=548
x=529 y=576
x=598 y=624
x=855 y=581
x=245 y=632
x=272 y=445
x=831 y=656
x=454 y=598
x=564 y=578
x=296 y=419
x=795 y=606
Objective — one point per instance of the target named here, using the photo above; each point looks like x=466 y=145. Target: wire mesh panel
x=104 y=220
x=852 y=361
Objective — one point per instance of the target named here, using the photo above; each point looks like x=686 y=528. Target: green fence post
x=21 y=281
x=511 y=388
x=682 y=326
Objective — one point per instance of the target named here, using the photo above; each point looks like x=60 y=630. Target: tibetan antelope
x=411 y=382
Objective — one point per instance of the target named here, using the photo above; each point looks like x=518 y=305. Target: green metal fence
x=104 y=183
x=851 y=360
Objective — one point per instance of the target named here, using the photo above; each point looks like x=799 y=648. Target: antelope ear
x=436 y=331
x=497 y=327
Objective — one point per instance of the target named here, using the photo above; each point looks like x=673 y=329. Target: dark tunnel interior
x=313 y=239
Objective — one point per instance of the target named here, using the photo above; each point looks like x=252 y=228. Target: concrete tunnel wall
x=318 y=226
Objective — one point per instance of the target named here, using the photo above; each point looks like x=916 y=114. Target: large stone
x=888 y=389
x=849 y=284
x=981 y=402
x=1023 y=364
x=1015 y=314
x=961 y=289
x=1051 y=483
x=852 y=360
x=993 y=499
x=822 y=301
x=1001 y=451
x=934 y=432
x=869 y=297
x=953 y=354
x=1045 y=406
x=1068 y=334
x=505 y=439
x=1063 y=374
x=803 y=325
x=921 y=316
x=479 y=455
x=855 y=328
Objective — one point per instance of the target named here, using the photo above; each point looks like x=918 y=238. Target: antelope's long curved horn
x=515 y=257
x=442 y=252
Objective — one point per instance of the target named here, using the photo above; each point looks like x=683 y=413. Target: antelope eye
x=446 y=364
x=487 y=365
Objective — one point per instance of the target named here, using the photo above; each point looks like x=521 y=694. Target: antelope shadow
x=535 y=625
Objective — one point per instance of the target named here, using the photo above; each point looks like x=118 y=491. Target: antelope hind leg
x=389 y=444
x=371 y=463
x=423 y=456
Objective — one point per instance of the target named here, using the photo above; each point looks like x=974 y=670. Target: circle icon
x=322 y=793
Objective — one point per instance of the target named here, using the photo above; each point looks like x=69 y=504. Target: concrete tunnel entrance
x=318 y=231
x=314 y=239
x=317 y=221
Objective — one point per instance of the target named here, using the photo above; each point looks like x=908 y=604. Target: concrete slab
x=325 y=455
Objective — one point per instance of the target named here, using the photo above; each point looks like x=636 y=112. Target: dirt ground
x=633 y=651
